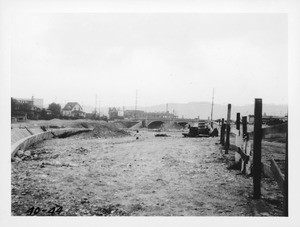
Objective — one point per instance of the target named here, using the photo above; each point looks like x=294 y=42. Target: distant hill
x=203 y=109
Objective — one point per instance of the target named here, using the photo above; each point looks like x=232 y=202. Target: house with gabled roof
x=73 y=109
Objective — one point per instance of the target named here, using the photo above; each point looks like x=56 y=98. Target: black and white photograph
x=150 y=113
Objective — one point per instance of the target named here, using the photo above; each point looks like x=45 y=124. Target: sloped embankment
x=105 y=130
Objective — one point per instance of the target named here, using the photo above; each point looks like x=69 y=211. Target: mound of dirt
x=109 y=130
x=82 y=123
x=120 y=125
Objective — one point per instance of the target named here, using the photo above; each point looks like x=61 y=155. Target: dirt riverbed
x=151 y=176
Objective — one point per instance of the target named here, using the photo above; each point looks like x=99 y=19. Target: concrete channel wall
x=18 y=134
x=26 y=142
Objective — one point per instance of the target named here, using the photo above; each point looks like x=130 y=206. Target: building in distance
x=73 y=109
x=33 y=102
x=23 y=109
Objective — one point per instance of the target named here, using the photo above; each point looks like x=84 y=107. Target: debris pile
x=57 y=164
x=27 y=155
x=81 y=150
x=161 y=135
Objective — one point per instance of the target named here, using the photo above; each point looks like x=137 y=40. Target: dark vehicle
x=194 y=132
x=202 y=130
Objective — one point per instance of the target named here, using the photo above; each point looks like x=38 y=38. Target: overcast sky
x=168 y=58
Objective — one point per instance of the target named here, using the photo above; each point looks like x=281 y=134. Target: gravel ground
x=152 y=176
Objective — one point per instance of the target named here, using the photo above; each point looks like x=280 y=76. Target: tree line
x=34 y=113
x=53 y=111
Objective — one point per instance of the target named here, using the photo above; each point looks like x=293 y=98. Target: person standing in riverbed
x=137 y=135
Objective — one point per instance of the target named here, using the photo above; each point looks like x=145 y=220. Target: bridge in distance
x=157 y=122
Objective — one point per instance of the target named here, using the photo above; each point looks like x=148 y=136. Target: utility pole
x=227 y=144
x=96 y=104
x=212 y=108
x=136 y=93
x=32 y=101
x=99 y=108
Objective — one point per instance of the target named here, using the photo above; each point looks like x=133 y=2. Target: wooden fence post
x=228 y=129
x=238 y=139
x=222 y=133
x=257 y=149
x=244 y=122
x=286 y=182
x=238 y=119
